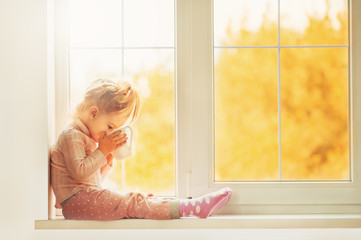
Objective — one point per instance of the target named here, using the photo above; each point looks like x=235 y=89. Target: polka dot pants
x=103 y=204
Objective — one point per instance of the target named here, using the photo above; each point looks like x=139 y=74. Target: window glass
x=95 y=23
x=246 y=119
x=315 y=114
x=236 y=22
x=281 y=111
x=314 y=22
x=148 y=23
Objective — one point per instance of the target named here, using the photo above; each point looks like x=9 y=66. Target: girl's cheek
x=102 y=134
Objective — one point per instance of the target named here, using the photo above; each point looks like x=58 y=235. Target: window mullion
x=184 y=142
x=202 y=99
x=279 y=91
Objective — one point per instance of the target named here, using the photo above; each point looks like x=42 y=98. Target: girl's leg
x=101 y=204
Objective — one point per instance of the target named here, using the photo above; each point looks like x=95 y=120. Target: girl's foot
x=205 y=205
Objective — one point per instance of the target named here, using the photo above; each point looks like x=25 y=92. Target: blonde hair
x=110 y=97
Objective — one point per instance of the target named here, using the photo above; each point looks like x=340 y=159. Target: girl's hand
x=111 y=142
x=110 y=158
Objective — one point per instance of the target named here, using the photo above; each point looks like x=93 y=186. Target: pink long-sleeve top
x=76 y=163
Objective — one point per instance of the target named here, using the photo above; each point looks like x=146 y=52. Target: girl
x=82 y=157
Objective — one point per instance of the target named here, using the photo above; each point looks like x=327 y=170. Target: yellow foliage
x=314 y=105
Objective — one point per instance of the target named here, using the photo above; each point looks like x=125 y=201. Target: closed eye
x=110 y=128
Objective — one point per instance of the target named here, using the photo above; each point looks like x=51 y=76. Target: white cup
x=126 y=150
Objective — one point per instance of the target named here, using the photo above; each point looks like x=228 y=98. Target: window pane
x=245 y=22
x=152 y=169
x=148 y=23
x=95 y=23
x=314 y=22
x=141 y=60
x=246 y=115
x=315 y=114
x=87 y=65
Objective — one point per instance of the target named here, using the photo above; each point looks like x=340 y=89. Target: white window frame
x=257 y=197
x=194 y=121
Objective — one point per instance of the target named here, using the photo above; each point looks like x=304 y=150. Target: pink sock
x=205 y=205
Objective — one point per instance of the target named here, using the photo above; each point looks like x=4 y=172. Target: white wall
x=23 y=121
x=23 y=141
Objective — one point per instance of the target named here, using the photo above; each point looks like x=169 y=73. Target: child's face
x=100 y=124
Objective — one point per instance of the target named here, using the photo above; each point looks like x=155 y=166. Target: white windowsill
x=214 y=222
